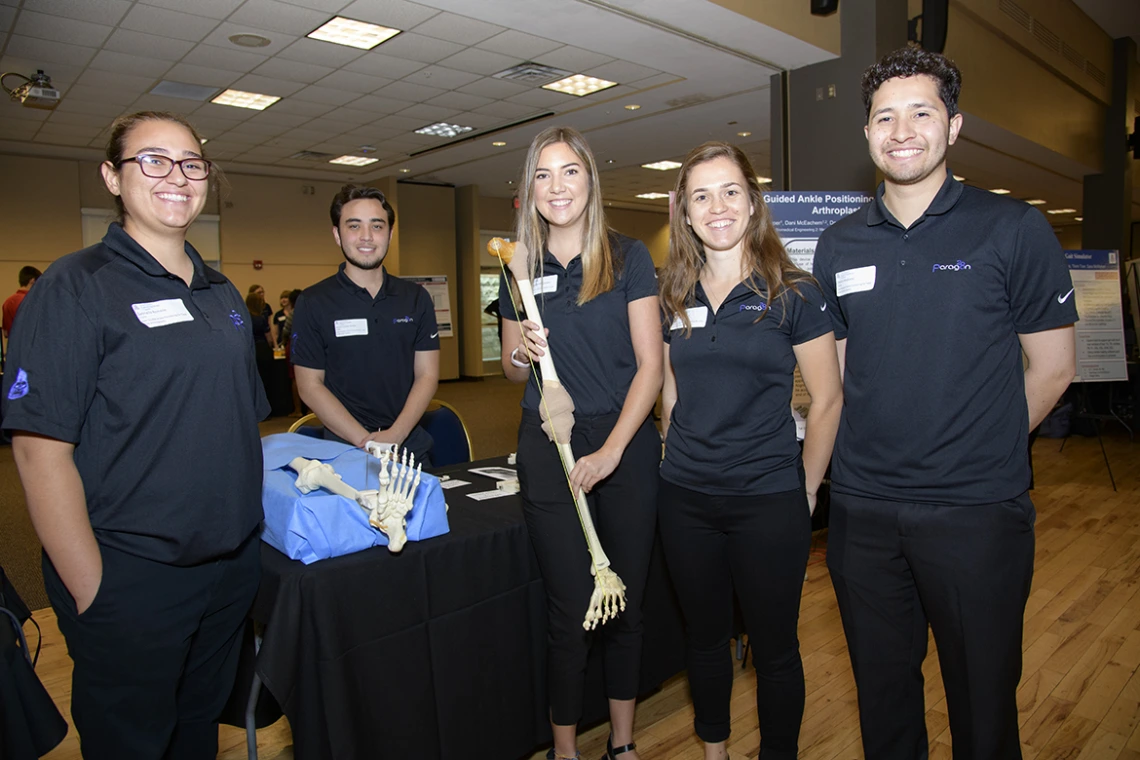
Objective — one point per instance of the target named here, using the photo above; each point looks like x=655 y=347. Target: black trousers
x=757 y=545
x=964 y=569
x=156 y=652
x=624 y=509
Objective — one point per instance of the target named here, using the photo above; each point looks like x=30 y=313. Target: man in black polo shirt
x=365 y=344
x=935 y=289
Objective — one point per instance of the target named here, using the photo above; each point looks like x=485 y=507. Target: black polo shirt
x=591 y=344
x=155 y=383
x=366 y=346
x=731 y=431
x=934 y=388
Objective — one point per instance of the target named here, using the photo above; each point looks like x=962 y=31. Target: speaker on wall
x=824 y=7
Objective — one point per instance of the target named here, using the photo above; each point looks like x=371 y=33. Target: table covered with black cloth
x=435 y=653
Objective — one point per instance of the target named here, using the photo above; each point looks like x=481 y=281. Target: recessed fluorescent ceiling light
x=763 y=180
x=1061 y=211
x=357 y=34
x=662 y=166
x=653 y=196
x=183 y=90
x=579 y=85
x=1035 y=202
x=443 y=129
x=1078 y=218
x=959 y=177
x=743 y=134
x=253 y=100
x=499 y=144
x=999 y=191
x=354 y=160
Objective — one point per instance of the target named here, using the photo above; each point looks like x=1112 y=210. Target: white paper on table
x=453 y=483
x=497 y=473
x=484 y=495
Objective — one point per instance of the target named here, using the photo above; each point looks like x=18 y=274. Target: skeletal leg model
x=387 y=506
x=557 y=412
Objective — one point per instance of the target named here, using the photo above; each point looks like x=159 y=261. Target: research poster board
x=800 y=217
x=436 y=286
x=1100 y=331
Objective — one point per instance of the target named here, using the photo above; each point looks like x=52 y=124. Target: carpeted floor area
x=489 y=407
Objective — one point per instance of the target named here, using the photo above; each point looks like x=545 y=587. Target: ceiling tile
x=215 y=119
x=310 y=136
x=61 y=76
x=276 y=117
x=267 y=85
x=324 y=53
x=496 y=89
x=100 y=110
x=379 y=104
x=477 y=120
x=7 y=17
x=69 y=130
x=131 y=85
x=226 y=58
x=380 y=65
x=539 y=98
x=519 y=44
x=108 y=60
x=505 y=111
x=370 y=134
x=57 y=29
x=475 y=61
x=396 y=14
x=416 y=47
x=301 y=107
x=414 y=93
x=442 y=78
x=654 y=81
x=96 y=11
x=217 y=9
x=329 y=6
x=52 y=138
x=623 y=72
x=401 y=123
x=43 y=51
x=316 y=94
x=100 y=94
x=456 y=28
x=10 y=110
x=573 y=59
x=279 y=17
x=351 y=81
x=150 y=102
x=257 y=132
x=351 y=118
x=203 y=75
x=429 y=114
x=295 y=71
x=166 y=23
x=150 y=45
x=459 y=101
x=12 y=129
x=220 y=37
x=77 y=119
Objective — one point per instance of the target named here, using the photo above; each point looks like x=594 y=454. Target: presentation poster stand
x=436 y=286
x=800 y=218
x=1100 y=331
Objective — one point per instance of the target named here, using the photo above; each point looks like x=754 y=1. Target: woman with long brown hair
x=736 y=496
x=597 y=293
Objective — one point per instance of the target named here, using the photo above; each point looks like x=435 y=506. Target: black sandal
x=551 y=755
x=612 y=752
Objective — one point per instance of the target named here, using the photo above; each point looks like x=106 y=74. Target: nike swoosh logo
x=823 y=308
x=1062 y=299
x=433 y=335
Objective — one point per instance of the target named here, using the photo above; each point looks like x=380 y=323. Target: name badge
x=855 y=280
x=547 y=284
x=162 y=313
x=698 y=317
x=346 y=328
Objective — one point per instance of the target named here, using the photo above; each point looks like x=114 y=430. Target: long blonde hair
x=534 y=231
x=763 y=255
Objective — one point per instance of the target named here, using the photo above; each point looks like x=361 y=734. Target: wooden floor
x=1080 y=694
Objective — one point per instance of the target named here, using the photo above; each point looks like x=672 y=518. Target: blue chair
x=452 y=442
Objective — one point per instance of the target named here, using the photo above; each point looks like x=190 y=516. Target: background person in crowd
x=279 y=332
x=736 y=497
x=365 y=343
x=598 y=296
x=27 y=278
x=134 y=400
x=935 y=289
x=266 y=311
x=262 y=337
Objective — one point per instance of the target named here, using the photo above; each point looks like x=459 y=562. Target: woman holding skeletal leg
x=134 y=398
x=597 y=294
x=735 y=496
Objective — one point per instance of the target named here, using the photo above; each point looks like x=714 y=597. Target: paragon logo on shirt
x=404 y=320
x=236 y=319
x=19 y=388
x=753 y=307
x=957 y=267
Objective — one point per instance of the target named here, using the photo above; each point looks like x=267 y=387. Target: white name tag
x=349 y=327
x=698 y=316
x=855 y=280
x=547 y=284
x=162 y=313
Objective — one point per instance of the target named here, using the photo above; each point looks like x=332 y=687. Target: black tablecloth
x=438 y=652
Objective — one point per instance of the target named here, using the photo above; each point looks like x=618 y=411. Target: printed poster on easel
x=1100 y=331
x=800 y=217
x=436 y=286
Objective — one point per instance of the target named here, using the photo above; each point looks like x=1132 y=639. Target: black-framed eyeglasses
x=157 y=167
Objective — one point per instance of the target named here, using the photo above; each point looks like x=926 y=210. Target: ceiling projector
x=35 y=92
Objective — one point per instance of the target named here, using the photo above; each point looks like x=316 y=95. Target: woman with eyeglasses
x=134 y=399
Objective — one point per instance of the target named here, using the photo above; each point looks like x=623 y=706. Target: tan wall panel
x=39 y=213
x=792 y=17
x=651 y=228
x=467 y=226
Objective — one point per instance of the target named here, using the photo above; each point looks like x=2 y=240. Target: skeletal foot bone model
x=557 y=412
x=387 y=506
